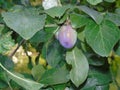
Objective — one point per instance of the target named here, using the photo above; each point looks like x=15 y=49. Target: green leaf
x=102 y=38
x=78 y=20
x=109 y=0
x=103 y=87
x=43 y=35
x=94 y=2
x=26 y=22
x=117 y=11
x=96 y=16
x=6 y=62
x=101 y=77
x=61 y=20
x=3 y=85
x=115 y=18
x=113 y=86
x=96 y=61
x=90 y=84
x=55 y=76
x=57 y=11
x=53 y=53
x=37 y=72
x=1 y=27
x=76 y=58
x=59 y=87
x=3 y=79
x=118 y=51
x=26 y=83
x=6 y=42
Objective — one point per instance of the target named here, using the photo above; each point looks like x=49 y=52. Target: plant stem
x=21 y=42
x=10 y=86
x=51 y=25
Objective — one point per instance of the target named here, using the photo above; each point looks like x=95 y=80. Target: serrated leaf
x=78 y=20
x=26 y=22
x=76 y=58
x=57 y=11
x=96 y=16
x=94 y=2
x=55 y=76
x=102 y=38
x=115 y=18
x=26 y=83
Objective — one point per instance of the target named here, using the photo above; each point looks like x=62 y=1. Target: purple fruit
x=67 y=36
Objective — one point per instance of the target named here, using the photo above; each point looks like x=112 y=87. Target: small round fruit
x=67 y=36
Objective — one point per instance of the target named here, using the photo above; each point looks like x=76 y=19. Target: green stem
x=51 y=25
x=10 y=86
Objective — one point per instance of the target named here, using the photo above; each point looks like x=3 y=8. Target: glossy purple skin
x=67 y=36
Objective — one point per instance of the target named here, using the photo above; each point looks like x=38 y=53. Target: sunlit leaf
x=76 y=58
x=26 y=22
x=102 y=38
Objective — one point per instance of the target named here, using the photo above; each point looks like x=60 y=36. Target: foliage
x=93 y=62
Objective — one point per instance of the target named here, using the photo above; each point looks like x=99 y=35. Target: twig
x=22 y=41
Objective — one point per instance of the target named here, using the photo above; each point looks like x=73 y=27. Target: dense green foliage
x=28 y=35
